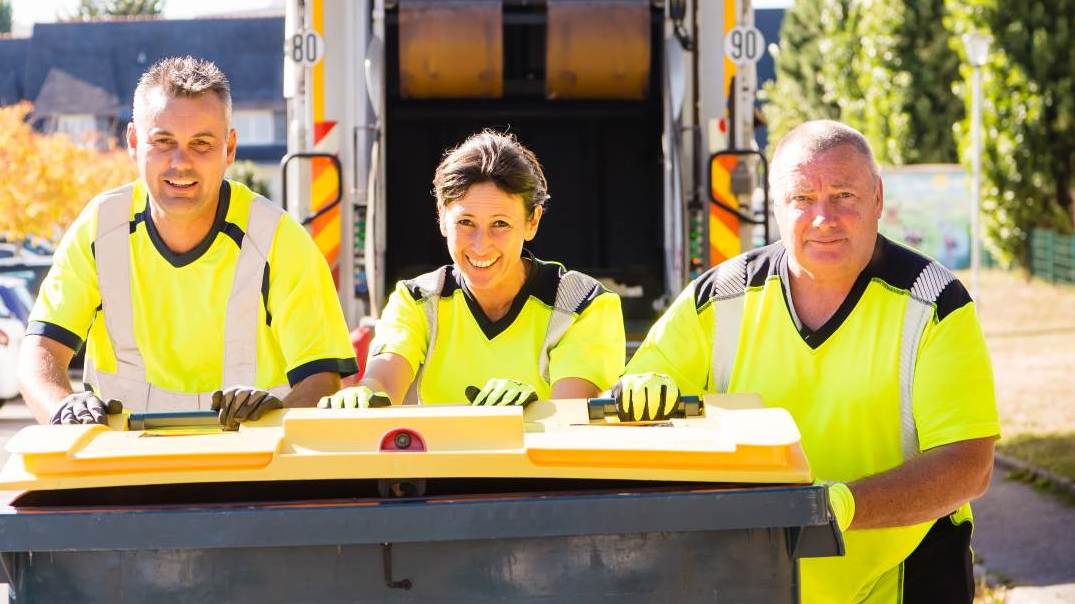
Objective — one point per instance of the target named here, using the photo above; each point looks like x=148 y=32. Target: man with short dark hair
x=876 y=351
x=189 y=290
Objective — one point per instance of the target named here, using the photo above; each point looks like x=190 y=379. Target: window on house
x=253 y=127
x=80 y=127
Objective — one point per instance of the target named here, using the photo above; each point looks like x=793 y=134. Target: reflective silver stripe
x=727 y=322
x=924 y=293
x=241 y=320
x=137 y=395
x=729 y=297
x=572 y=290
x=112 y=254
x=430 y=285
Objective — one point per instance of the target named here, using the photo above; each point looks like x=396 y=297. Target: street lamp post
x=977 y=45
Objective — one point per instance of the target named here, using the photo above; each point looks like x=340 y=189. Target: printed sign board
x=928 y=208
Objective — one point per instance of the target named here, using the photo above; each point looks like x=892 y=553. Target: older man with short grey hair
x=877 y=352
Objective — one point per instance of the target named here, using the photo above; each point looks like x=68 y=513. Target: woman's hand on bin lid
x=355 y=397
x=502 y=392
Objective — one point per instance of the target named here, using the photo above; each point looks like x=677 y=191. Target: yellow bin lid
x=734 y=440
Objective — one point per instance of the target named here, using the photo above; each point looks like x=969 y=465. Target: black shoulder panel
x=926 y=279
x=733 y=276
x=453 y=281
x=427 y=284
x=545 y=280
x=579 y=289
x=896 y=265
x=952 y=298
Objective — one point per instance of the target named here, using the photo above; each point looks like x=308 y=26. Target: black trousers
x=940 y=570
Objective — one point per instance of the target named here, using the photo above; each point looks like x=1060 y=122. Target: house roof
x=63 y=92
x=105 y=59
x=12 y=69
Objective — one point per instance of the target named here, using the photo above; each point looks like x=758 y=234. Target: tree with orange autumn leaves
x=46 y=179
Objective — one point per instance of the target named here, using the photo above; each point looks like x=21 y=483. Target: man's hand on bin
x=241 y=403
x=84 y=408
x=502 y=392
x=645 y=396
x=355 y=397
x=842 y=503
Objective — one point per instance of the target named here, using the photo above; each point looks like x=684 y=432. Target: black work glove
x=240 y=403
x=84 y=408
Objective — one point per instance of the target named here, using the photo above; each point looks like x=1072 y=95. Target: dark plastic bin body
x=730 y=545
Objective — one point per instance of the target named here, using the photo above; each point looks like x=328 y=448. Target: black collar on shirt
x=490 y=328
x=815 y=338
x=181 y=260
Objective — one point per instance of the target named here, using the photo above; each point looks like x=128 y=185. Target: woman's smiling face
x=486 y=230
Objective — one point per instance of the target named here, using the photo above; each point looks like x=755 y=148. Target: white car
x=11 y=332
x=14 y=306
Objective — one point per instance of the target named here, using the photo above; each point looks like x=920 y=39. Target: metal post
x=977 y=47
x=976 y=136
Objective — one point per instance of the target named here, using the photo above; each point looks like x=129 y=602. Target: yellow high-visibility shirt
x=179 y=301
x=842 y=385
x=469 y=349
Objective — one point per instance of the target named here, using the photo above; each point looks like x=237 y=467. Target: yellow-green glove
x=355 y=397
x=842 y=503
x=645 y=396
x=502 y=392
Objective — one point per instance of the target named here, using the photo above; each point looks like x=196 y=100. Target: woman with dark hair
x=497 y=326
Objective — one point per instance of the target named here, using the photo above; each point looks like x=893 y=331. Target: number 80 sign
x=306 y=47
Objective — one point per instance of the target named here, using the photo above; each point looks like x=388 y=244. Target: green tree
x=46 y=178
x=246 y=173
x=906 y=70
x=1028 y=154
x=5 y=17
x=88 y=9
x=882 y=66
x=799 y=92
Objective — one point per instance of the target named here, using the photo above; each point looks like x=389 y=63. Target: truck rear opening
x=644 y=126
x=601 y=156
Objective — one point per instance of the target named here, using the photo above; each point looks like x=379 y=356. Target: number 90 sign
x=306 y=47
x=744 y=44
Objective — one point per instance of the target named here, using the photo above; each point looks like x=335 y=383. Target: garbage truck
x=641 y=112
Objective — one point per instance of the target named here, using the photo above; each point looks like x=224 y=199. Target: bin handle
x=148 y=420
x=686 y=406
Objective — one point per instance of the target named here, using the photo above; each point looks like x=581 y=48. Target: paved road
x=13 y=415
x=1022 y=535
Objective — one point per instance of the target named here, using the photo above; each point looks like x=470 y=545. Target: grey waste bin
x=682 y=544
